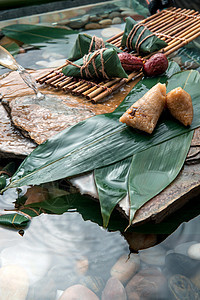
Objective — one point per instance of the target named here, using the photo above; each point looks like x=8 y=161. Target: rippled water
x=59 y=251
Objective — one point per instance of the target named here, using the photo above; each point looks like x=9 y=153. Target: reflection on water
x=58 y=252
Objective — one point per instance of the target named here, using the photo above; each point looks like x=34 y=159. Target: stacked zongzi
x=86 y=43
x=102 y=63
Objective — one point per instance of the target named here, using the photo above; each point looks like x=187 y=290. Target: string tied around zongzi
x=90 y=59
x=132 y=34
x=98 y=42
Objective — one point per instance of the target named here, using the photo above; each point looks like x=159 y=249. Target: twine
x=132 y=34
x=6 y=173
x=87 y=60
x=98 y=43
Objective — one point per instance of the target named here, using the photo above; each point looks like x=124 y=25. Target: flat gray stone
x=12 y=143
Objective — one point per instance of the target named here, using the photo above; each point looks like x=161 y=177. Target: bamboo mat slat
x=176 y=26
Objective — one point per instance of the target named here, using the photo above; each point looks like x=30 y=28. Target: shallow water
x=57 y=251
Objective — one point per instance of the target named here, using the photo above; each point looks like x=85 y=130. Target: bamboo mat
x=176 y=26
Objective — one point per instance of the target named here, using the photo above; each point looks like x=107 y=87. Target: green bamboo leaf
x=89 y=209
x=57 y=205
x=105 y=177
x=110 y=193
x=155 y=168
x=5 y=173
x=112 y=186
x=101 y=140
x=33 y=34
x=13 y=48
x=142 y=176
x=15 y=220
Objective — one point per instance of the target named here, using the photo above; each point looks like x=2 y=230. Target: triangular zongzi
x=137 y=37
x=102 y=63
x=179 y=103
x=86 y=43
x=145 y=112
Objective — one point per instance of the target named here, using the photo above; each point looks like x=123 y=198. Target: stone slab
x=12 y=143
x=41 y=119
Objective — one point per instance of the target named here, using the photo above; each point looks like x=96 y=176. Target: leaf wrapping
x=143 y=40
x=84 y=43
x=97 y=64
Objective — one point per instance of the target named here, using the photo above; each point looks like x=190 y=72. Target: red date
x=156 y=65
x=130 y=62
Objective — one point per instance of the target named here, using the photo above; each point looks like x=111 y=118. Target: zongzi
x=102 y=63
x=86 y=43
x=137 y=37
x=179 y=103
x=145 y=112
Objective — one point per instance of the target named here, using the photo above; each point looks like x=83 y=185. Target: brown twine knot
x=98 y=43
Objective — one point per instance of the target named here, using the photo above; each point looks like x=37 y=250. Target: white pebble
x=108 y=32
x=50 y=55
x=183 y=248
x=194 y=251
x=35 y=262
x=14 y=282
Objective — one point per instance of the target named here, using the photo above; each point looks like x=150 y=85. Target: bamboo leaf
x=112 y=186
x=142 y=176
x=112 y=180
x=102 y=140
x=14 y=220
x=155 y=168
x=33 y=34
x=13 y=48
x=57 y=205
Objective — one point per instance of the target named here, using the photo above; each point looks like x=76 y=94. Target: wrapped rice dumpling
x=137 y=37
x=179 y=103
x=145 y=112
x=86 y=43
x=102 y=63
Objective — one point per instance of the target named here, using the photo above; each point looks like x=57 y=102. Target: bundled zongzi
x=137 y=37
x=86 y=43
x=145 y=112
x=179 y=103
x=102 y=63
